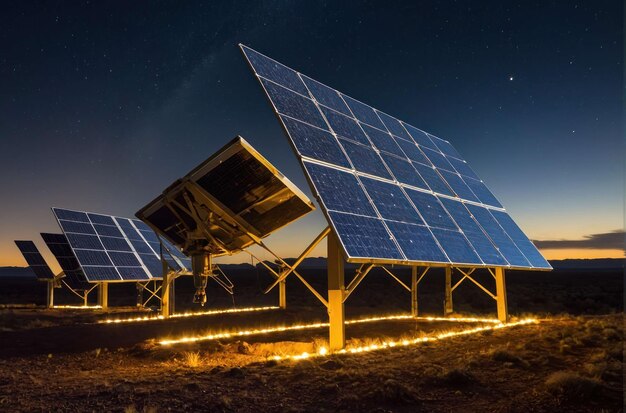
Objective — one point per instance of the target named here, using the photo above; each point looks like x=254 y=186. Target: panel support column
x=140 y=289
x=447 y=303
x=503 y=312
x=336 y=292
x=165 y=296
x=103 y=295
x=282 y=294
x=414 y=304
x=50 y=294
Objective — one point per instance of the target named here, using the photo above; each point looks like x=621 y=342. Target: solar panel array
x=60 y=248
x=392 y=192
x=110 y=248
x=35 y=260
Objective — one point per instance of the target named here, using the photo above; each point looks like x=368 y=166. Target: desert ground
x=570 y=360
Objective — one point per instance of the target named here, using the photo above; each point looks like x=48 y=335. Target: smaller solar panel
x=35 y=260
x=110 y=248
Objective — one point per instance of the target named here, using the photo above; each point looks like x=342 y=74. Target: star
x=510 y=78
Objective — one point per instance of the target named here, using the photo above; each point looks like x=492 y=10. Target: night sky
x=104 y=104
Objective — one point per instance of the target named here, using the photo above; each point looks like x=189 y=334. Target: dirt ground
x=64 y=360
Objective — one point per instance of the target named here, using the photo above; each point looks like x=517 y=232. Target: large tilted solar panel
x=60 y=248
x=35 y=260
x=392 y=192
x=110 y=248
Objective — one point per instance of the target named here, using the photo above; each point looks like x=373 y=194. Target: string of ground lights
x=295 y=327
x=188 y=314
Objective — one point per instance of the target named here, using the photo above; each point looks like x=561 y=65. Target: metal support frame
x=154 y=292
x=291 y=269
x=448 y=307
x=336 y=291
x=83 y=295
x=360 y=275
x=103 y=295
x=500 y=296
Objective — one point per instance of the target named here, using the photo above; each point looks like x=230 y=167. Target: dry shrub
x=572 y=386
x=192 y=359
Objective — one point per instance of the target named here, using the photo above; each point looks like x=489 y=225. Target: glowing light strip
x=190 y=314
x=78 y=307
x=323 y=351
x=277 y=329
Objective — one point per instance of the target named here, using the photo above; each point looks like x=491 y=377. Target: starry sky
x=104 y=104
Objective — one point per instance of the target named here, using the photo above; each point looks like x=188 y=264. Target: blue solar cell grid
x=426 y=204
x=112 y=248
x=35 y=260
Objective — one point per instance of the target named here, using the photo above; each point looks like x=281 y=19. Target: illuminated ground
x=63 y=360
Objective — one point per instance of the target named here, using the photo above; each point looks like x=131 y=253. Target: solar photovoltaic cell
x=35 y=260
x=431 y=210
x=403 y=171
x=394 y=126
x=498 y=236
x=417 y=242
x=365 y=159
x=315 y=143
x=391 y=201
x=519 y=238
x=441 y=187
x=382 y=141
x=294 y=105
x=364 y=236
x=326 y=96
x=345 y=126
x=60 y=248
x=109 y=248
x=341 y=190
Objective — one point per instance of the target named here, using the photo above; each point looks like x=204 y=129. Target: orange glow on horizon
x=563 y=254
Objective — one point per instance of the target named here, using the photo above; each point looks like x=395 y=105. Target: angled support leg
x=503 y=312
x=336 y=291
x=448 y=307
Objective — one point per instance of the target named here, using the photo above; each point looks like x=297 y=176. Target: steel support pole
x=336 y=291
x=50 y=295
x=447 y=303
x=282 y=294
x=103 y=295
x=165 y=296
x=414 y=305
x=503 y=312
x=140 y=288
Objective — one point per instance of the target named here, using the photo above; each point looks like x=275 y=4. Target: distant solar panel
x=35 y=260
x=110 y=248
x=392 y=192
x=60 y=248
x=227 y=200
